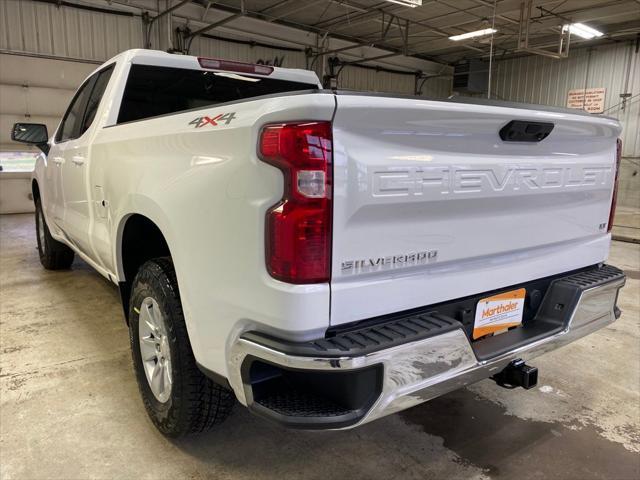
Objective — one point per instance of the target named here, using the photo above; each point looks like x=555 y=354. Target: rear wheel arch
x=139 y=240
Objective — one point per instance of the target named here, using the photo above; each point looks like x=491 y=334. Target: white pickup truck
x=325 y=258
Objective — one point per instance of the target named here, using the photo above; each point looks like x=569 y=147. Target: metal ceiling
x=423 y=32
x=378 y=33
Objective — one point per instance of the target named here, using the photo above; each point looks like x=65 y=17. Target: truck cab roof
x=159 y=58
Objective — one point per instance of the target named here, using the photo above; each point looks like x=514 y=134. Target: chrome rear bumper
x=422 y=370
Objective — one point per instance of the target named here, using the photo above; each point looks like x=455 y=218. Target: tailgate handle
x=524 y=131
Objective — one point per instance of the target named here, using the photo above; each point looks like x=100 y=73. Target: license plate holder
x=498 y=313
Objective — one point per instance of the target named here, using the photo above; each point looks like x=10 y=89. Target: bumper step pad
x=361 y=341
x=397 y=329
x=592 y=278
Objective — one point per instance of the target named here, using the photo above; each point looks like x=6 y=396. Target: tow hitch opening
x=517 y=374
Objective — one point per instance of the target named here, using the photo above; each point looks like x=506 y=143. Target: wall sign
x=276 y=62
x=589 y=99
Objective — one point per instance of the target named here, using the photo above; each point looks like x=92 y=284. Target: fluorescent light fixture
x=407 y=3
x=582 y=30
x=477 y=33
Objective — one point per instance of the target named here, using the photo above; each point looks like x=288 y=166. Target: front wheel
x=54 y=255
x=177 y=396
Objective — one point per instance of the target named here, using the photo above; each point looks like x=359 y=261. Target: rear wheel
x=54 y=255
x=177 y=396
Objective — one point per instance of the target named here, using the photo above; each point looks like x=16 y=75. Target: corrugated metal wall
x=37 y=80
x=542 y=80
x=536 y=79
x=440 y=87
x=47 y=29
x=43 y=29
x=353 y=78
x=40 y=28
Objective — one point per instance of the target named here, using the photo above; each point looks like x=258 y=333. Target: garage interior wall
x=61 y=33
x=26 y=95
x=68 y=43
x=546 y=81
x=370 y=80
x=67 y=32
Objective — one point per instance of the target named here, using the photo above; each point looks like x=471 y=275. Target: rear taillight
x=614 y=197
x=230 y=66
x=298 y=228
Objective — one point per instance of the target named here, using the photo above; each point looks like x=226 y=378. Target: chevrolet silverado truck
x=325 y=258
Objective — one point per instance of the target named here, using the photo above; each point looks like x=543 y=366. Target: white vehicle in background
x=327 y=258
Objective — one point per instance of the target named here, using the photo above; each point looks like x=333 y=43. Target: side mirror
x=32 y=133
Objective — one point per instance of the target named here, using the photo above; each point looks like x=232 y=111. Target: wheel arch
x=139 y=239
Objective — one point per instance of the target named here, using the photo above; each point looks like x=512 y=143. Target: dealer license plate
x=498 y=313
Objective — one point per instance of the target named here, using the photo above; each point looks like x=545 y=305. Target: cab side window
x=73 y=118
x=84 y=106
x=96 y=95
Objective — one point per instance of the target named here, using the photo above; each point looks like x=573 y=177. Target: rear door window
x=96 y=95
x=72 y=120
x=152 y=91
x=84 y=106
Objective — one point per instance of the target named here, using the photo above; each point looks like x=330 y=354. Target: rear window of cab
x=152 y=91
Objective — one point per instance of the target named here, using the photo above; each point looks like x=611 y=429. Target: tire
x=54 y=255
x=191 y=403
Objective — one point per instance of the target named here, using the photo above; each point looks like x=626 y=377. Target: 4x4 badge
x=213 y=121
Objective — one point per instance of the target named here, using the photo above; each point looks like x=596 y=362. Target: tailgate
x=431 y=205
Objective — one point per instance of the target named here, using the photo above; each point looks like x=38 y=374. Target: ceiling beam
x=426 y=27
x=275 y=5
x=627 y=29
x=363 y=9
x=543 y=23
x=213 y=25
x=290 y=11
x=169 y=10
x=373 y=14
x=285 y=31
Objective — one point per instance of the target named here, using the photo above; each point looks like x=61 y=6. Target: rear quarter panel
x=208 y=193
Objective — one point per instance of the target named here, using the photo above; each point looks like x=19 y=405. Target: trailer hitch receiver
x=517 y=374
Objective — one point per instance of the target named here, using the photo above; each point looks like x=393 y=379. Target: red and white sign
x=589 y=99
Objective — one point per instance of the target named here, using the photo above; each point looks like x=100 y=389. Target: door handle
x=58 y=160
x=78 y=160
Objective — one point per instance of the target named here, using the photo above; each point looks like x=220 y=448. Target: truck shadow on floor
x=507 y=446
x=457 y=434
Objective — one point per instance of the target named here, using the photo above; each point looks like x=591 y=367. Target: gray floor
x=69 y=406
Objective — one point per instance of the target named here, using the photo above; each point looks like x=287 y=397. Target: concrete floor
x=69 y=405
